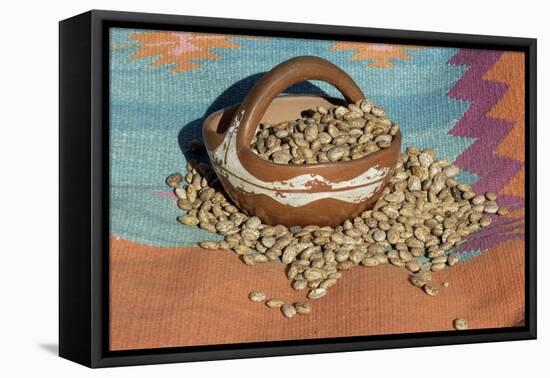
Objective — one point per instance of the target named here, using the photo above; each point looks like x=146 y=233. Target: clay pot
x=321 y=194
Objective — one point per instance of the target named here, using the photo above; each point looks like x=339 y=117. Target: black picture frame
x=84 y=200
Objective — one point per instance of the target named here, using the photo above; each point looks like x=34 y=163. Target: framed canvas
x=234 y=188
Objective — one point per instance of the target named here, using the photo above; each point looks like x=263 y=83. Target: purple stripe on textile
x=494 y=171
x=488 y=242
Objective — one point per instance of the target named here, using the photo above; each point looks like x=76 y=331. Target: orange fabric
x=510 y=69
x=380 y=55
x=166 y=46
x=167 y=297
x=516 y=186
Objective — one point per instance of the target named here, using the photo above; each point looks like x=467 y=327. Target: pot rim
x=316 y=166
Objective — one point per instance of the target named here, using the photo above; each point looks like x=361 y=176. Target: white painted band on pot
x=294 y=192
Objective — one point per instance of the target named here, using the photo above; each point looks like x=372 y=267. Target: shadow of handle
x=230 y=96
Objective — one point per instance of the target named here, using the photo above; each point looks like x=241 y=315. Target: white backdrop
x=29 y=185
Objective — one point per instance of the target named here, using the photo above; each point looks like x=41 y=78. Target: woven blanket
x=467 y=104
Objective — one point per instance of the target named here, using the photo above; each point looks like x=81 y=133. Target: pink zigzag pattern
x=494 y=171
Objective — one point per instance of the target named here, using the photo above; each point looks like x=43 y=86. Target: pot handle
x=282 y=76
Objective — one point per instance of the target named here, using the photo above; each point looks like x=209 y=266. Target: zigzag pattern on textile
x=488 y=88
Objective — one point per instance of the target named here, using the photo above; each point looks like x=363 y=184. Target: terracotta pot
x=321 y=194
